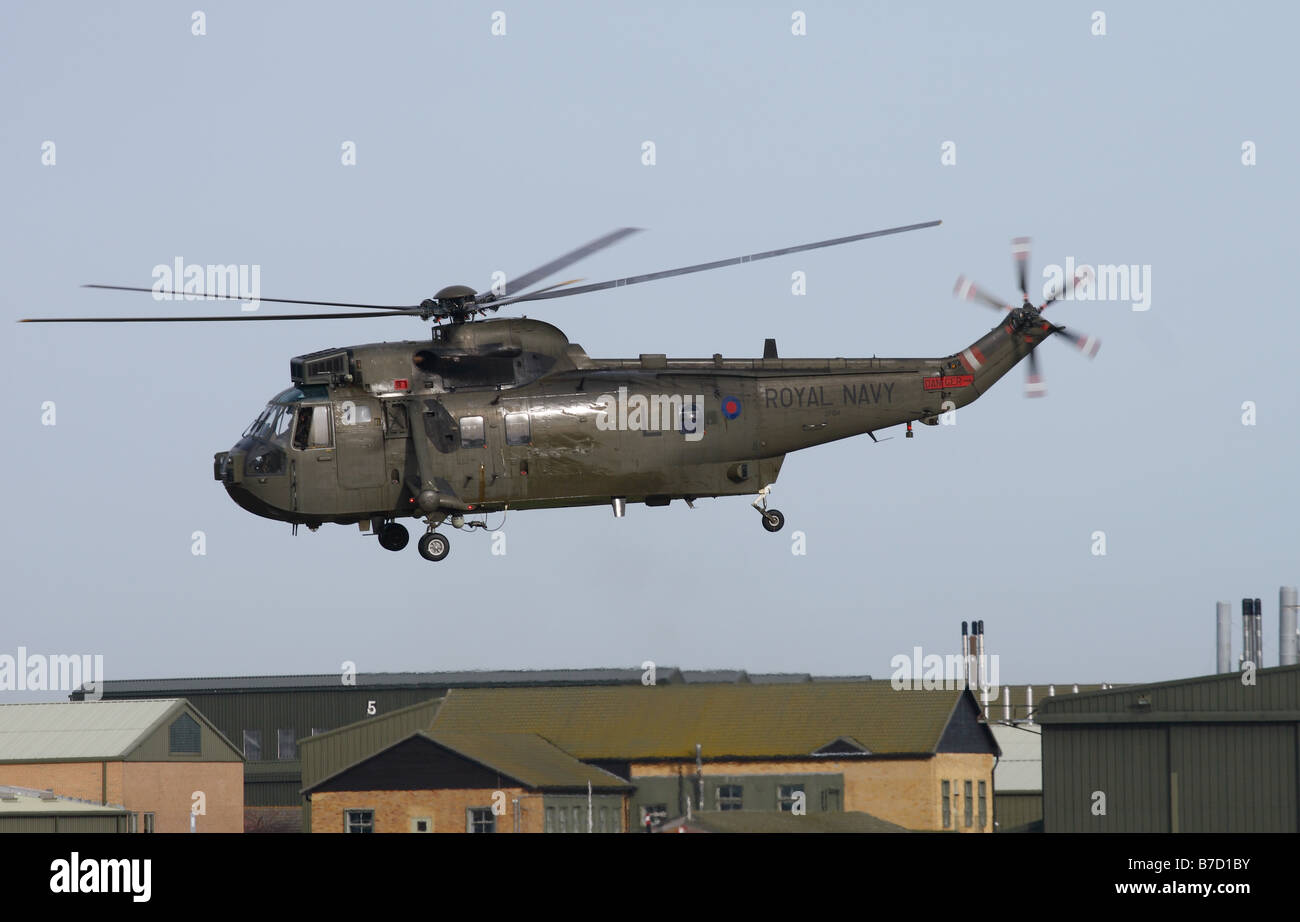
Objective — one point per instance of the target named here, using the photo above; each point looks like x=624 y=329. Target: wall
x=394 y=810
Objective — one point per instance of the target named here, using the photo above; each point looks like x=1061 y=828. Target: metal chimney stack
x=1287 y=640
x=965 y=654
x=1252 y=633
x=1223 y=637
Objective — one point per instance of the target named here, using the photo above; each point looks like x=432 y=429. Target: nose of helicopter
x=228 y=469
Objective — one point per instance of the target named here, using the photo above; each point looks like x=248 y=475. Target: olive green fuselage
x=511 y=414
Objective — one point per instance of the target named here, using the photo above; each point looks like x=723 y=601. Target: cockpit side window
x=313 y=429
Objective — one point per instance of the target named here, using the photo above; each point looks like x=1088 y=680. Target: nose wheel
x=773 y=520
x=434 y=546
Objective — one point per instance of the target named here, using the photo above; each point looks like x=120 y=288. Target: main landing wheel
x=773 y=520
x=393 y=537
x=434 y=546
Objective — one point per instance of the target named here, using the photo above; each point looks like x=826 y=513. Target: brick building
x=147 y=757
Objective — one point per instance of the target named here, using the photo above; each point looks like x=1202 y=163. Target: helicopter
x=496 y=414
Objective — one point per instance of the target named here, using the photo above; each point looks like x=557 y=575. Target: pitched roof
x=778 y=821
x=57 y=731
x=16 y=800
x=748 y=721
x=528 y=758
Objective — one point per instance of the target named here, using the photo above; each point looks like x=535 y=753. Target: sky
x=478 y=152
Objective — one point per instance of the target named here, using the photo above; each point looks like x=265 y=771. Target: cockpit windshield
x=273 y=424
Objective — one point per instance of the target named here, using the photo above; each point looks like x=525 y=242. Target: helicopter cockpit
x=286 y=421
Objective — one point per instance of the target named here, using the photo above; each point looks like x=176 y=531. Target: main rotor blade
x=717 y=264
x=1083 y=273
x=1088 y=345
x=1020 y=252
x=969 y=291
x=202 y=319
x=519 y=283
x=198 y=296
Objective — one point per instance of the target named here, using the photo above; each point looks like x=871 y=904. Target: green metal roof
x=779 y=821
x=528 y=758
x=747 y=721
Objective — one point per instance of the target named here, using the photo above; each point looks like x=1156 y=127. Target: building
x=1215 y=753
x=470 y=782
x=27 y=810
x=919 y=759
x=269 y=716
x=1018 y=777
x=742 y=821
x=153 y=759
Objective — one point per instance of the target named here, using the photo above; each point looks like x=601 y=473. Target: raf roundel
x=730 y=407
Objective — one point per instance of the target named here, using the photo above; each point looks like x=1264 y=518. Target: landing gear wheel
x=393 y=537
x=773 y=520
x=434 y=546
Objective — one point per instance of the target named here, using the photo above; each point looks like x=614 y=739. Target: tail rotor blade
x=1020 y=253
x=968 y=291
x=1088 y=345
x=1034 y=384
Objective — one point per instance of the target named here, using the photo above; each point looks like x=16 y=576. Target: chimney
x=1252 y=648
x=1029 y=702
x=1288 y=642
x=965 y=655
x=1223 y=637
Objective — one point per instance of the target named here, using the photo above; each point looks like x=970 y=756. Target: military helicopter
x=490 y=415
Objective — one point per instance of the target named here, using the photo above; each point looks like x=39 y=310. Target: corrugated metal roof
x=461 y=679
x=1276 y=691
x=28 y=801
x=665 y=722
x=1020 y=767
x=77 y=729
x=528 y=758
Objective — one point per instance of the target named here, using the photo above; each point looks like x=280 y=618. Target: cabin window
x=313 y=429
x=518 y=432
x=471 y=432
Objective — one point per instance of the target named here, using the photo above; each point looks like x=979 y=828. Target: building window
x=148 y=823
x=984 y=813
x=731 y=796
x=602 y=824
x=286 y=747
x=945 y=792
x=653 y=815
x=183 y=735
x=253 y=745
x=831 y=800
x=480 y=819
x=578 y=824
x=518 y=431
x=969 y=807
x=550 y=819
x=471 y=432
x=358 y=820
x=788 y=795
x=421 y=824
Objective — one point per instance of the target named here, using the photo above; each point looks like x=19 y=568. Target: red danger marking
x=401 y=384
x=934 y=384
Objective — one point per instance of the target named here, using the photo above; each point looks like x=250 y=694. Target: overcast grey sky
x=478 y=153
